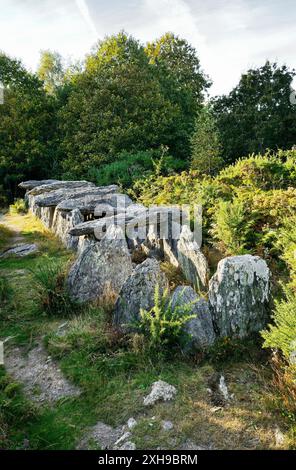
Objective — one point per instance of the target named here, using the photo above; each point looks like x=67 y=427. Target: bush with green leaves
x=49 y=278
x=163 y=325
x=281 y=334
x=231 y=228
x=18 y=207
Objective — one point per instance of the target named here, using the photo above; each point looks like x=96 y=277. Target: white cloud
x=230 y=35
x=84 y=10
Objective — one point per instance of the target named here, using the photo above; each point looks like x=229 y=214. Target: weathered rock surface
x=161 y=391
x=21 y=250
x=90 y=203
x=191 y=260
x=62 y=223
x=63 y=185
x=239 y=295
x=199 y=329
x=41 y=377
x=101 y=269
x=28 y=185
x=138 y=291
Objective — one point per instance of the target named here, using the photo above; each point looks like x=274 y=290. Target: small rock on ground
x=167 y=425
x=161 y=391
x=131 y=423
x=42 y=379
x=20 y=250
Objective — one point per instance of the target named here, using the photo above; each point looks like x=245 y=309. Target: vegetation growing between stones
x=163 y=325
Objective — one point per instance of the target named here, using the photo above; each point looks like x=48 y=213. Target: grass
x=114 y=374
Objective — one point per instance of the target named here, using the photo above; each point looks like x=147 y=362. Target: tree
x=51 y=71
x=117 y=104
x=183 y=82
x=27 y=126
x=206 y=146
x=257 y=114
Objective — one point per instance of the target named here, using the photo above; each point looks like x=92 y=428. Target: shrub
x=163 y=325
x=49 y=278
x=286 y=242
x=231 y=227
x=282 y=333
x=18 y=207
x=261 y=171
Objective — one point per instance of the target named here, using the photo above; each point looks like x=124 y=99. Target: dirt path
x=17 y=236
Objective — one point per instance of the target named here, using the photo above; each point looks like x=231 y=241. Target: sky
x=230 y=36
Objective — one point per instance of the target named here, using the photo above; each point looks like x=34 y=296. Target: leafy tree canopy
x=257 y=114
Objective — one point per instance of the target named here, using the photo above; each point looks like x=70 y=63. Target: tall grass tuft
x=49 y=278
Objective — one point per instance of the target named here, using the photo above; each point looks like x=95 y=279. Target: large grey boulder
x=101 y=269
x=239 y=295
x=199 y=329
x=138 y=292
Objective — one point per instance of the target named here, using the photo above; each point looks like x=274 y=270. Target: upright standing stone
x=239 y=295
x=199 y=329
x=138 y=292
x=101 y=269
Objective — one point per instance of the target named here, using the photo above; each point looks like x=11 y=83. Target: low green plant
x=18 y=207
x=5 y=235
x=231 y=228
x=281 y=334
x=163 y=325
x=49 y=277
x=5 y=290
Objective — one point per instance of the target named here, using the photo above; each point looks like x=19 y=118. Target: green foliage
x=27 y=127
x=51 y=71
x=163 y=325
x=49 y=278
x=5 y=234
x=15 y=410
x=231 y=227
x=18 y=207
x=286 y=243
x=183 y=82
x=257 y=114
x=269 y=171
x=6 y=290
x=281 y=334
x=206 y=146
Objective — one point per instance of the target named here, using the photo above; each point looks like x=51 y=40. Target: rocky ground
x=76 y=385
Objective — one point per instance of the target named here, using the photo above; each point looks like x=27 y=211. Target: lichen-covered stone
x=138 y=292
x=101 y=269
x=239 y=295
x=63 y=222
x=191 y=260
x=161 y=391
x=200 y=329
x=28 y=185
x=57 y=185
